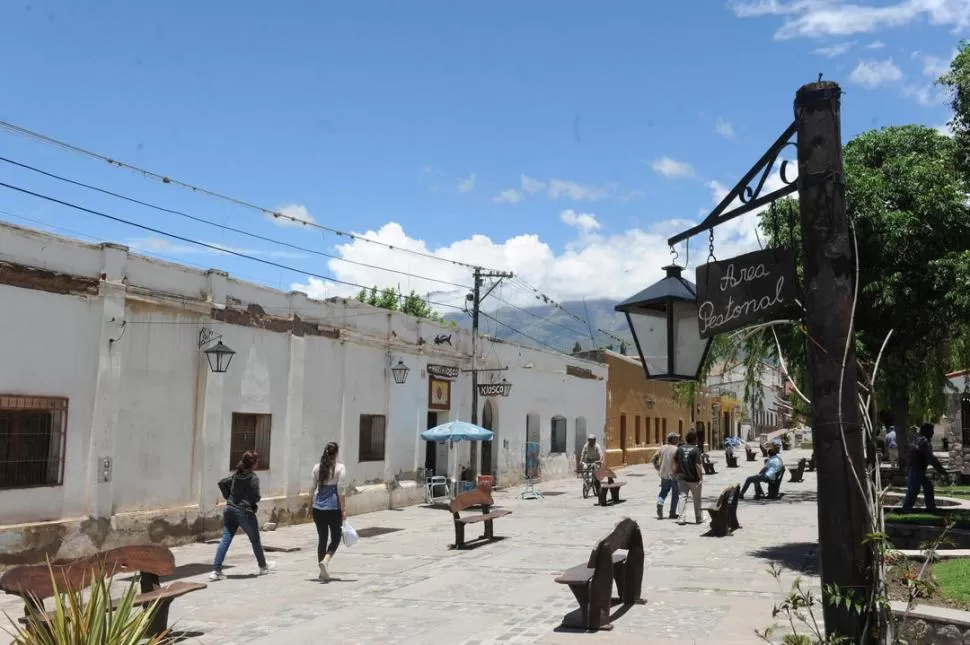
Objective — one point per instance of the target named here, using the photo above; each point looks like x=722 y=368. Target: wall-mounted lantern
x=400 y=372
x=649 y=402
x=219 y=356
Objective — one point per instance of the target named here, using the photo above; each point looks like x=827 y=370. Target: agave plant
x=95 y=620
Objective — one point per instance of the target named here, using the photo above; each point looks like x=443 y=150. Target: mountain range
x=552 y=326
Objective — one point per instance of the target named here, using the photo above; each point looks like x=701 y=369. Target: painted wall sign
x=753 y=287
x=444 y=371
x=439 y=394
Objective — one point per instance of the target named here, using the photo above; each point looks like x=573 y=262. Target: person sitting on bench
x=772 y=467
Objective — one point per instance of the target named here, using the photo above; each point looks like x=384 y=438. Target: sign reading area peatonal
x=754 y=287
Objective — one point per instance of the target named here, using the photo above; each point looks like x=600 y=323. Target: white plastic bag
x=349 y=535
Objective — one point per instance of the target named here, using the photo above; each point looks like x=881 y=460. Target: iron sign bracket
x=750 y=198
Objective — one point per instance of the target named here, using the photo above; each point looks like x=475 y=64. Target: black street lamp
x=663 y=321
x=400 y=372
x=219 y=357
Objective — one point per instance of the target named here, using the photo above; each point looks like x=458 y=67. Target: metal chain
x=710 y=248
x=673 y=252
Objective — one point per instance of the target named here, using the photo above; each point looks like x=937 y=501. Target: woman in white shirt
x=329 y=505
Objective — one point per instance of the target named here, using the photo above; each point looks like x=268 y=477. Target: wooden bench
x=811 y=464
x=592 y=581
x=724 y=512
x=35 y=582
x=475 y=497
x=774 y=486
x=795 y=474
x=752 y=455
x=732 y=460
x=764 y=450
x=708 y=465
x=606 y=482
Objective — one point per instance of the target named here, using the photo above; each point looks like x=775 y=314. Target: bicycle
x=590 y=484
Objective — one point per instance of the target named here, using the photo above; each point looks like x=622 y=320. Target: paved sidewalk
x=406 y=586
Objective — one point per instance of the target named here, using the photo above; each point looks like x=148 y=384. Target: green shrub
x=75 y=620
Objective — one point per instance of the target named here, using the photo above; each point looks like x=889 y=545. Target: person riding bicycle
x=592 y=452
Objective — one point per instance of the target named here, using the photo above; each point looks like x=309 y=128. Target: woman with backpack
x=329 y=506
x=241 y=491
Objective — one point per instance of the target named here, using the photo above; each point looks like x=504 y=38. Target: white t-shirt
x=339 y=478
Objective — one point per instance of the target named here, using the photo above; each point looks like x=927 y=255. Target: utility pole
x=476 y=297
x=847 y=562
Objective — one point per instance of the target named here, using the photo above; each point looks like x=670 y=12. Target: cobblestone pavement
x=407 y=586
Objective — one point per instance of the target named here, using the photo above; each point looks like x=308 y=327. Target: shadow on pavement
x=801 y=557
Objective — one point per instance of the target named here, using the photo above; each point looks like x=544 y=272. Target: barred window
x=250 y=432
x=372 y=428
x=558 y=434
x=32 y=432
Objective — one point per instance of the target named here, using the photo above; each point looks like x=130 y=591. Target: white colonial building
x=114 y=429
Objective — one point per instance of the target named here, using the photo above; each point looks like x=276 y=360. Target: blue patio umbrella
x=457 y=431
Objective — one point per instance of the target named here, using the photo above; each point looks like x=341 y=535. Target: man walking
x=665 y=461
x=920 y=457
x=690 y=475
x=771 y=470
x=892 y=450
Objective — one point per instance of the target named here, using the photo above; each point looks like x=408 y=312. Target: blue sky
x=560 y=140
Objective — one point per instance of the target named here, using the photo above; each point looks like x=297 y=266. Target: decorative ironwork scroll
x=748 y=194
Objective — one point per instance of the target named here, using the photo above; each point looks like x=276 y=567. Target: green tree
x=907 y=200
x=577 y=348
x=392 y=300
x=957 y=80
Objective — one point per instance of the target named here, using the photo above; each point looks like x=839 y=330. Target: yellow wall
x=625 y=407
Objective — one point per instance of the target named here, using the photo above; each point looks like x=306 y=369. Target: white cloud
x=835 y=50
x=293 y=215
x=510 y=196
x=724 y=128
x=532 y=186
x=820 y=18
x=154 y=245
x=671 y=168
x=944 y=129
x=466 y=184
x=560 y=188
x=556 y=189
x=876 y=44
x=585 y=222
x=926 y=95
x=593 y=264
x=934 y=66
x=875 y=73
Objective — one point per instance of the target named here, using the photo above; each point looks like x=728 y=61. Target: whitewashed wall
x=140 y=393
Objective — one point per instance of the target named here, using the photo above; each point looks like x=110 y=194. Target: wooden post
x=829 y=278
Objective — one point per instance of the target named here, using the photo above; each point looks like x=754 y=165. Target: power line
x=537 y=316
x=206 y=245
x=549 y=301
x=523 y=334
x=224 y=227
x=149 y=174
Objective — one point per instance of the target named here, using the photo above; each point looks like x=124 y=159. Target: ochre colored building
x=640 y=413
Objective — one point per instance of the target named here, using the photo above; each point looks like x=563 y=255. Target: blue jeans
x=917 y=480
x=669 y=486
x=232 y=519
x=757 y=480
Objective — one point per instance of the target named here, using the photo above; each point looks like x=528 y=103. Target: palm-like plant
x=95 y=620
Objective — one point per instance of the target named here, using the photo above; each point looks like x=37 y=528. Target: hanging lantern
x=219 y=357
x=663 y=321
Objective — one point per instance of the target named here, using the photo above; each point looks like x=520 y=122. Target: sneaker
x=324 y=571
x=269 y=567
x=215 y=576
x=660 y=511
